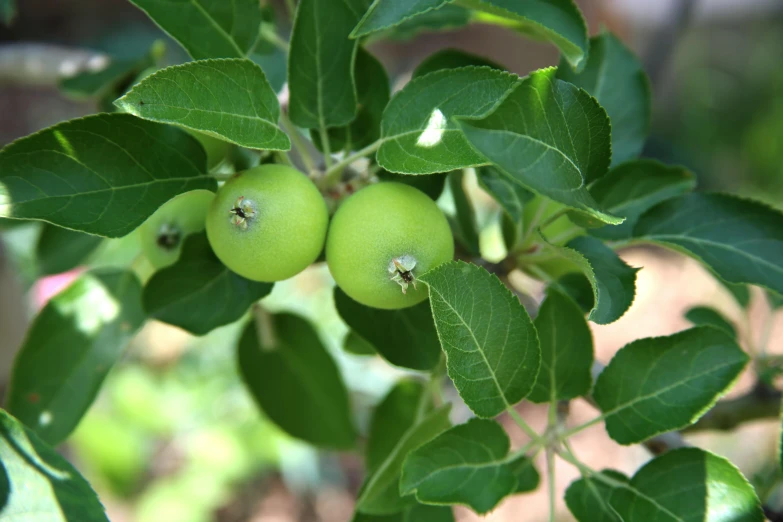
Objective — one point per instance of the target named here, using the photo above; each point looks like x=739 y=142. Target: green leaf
x=321 y=60
x=227 y=99
x=372 y=87
x=59 y=249
x=615 y=77
x=432 y=184
x=706 y=316
x=549 y=137
x=464 y=465
x=558 y=21
x=418 y=134
x=104 y=174
x=576 y=286
x=588 y=498
x=198 y=293
x=384 y=14
x=510 y=195
x=464 y=222
x=566 y=350
x=740 y=293
x=72 y=344
x=613 y=281
x=286 y=359
x=491 y=346
x=446 y=17
x=89 y=83
x=393 y=416
x=631 y=189
x=415 y=513
x=739 y=239
x=358 y=345
x=208 y=28
x=7 y=12
x=40 y=485
x=660 y=384
x=684 y=485
x=775 y=300
x=404 y=337
x=452 y=59
x=527 y=476
x=275 y=67
x=380 y=494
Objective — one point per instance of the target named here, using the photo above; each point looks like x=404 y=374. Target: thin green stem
x=530 y=432
x=573 y=431
x=565 y=235
x=550 y=471
x=333 y=173
x=540 y=274
x=221 y=176
x=540 y=211
x=326 y=146
x=554 y=217
x=297 y=142
x=283 y=157
x=268 y=33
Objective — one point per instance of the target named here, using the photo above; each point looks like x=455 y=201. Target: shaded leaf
x=558 y=21
x=612 y=280
x=775 y=300
x=372 y=88
x=634 y=187
x=198 y=293
x=432 y=184
x=321 y=60
x=380 y=494
x=687 y=484
x=358 y=345
x=404 y=337
x=424 y=513
x=208 y=28
x=227 y=99
x=452 y=59
x=384 y=14
x=706 y=316
x=464 y=222
x=739 y=239
x=59 y=249
x=72 y=344
x=275 y=67
x=566 y=350
x=576 y=286
x=446 y=17
x=465 y=465
x=527 y=476
x=103 y=174
x=550 y=137
x=287 y=360
x=40 y=485
x=7 y=12
x=588 y=498
x=418 y=134
x=510 y=195
x=740 y=293
x=491 y=346
x=615 y=77
x=94 y=83
x=660 y=384
x=392 y=417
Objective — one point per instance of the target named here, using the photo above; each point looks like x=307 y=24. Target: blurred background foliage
x=175 y=437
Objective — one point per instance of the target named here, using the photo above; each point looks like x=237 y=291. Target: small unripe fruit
x=267 y=223
x=165 y=230
x=381 y=239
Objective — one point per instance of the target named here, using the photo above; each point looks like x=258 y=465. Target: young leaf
x=588 y=498
x=558 y=21
x=509 y=195
x=228 y=99
x=739 y=239
x=198 y=293
x=634 y=187
x=465 y=465
x=287 y=360
x=661 y=384
x=70 y=347
x=418 y=134
x=60 y=249
x=706 y=316
x=548 y=136
x=615 y=77
x=384 y=14
x=404 y=337
x=207 y=28
x=320 y=63
x=37 y=484
x=393 y=416
x=687 y=484
x=452 y=59
x=358 y=345
x=566 y=350
x=381 y=493
x=464 y=223
x=372 y=88
x=491 y=346
x=527 y=476
x=613 y=281
x=103 y=174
